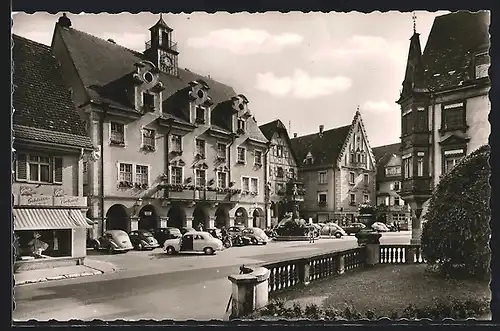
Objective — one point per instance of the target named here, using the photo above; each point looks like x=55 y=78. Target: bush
x=456 y=235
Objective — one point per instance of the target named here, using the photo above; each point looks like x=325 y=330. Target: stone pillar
x=416 y=224
x=134 y=223
x=339 y=262
x=304 y=272
x=188 y=222
x=371 y=242
x=163 y=222
x=249 y=292
x=231 y=220
x=211 y=222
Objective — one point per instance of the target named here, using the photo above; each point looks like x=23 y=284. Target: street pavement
x=153 y=285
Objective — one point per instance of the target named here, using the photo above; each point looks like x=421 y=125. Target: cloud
x=378 y=106
x=362 y=46
x=245 y=41
x=301 y=85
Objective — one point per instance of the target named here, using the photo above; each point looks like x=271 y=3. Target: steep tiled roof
x=42 y=103
x=448 y=54
x=325 y=148
x=101 y=64
x=382 y=155
x=270 y=128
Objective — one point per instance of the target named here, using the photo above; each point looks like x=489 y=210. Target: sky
x=306 y=69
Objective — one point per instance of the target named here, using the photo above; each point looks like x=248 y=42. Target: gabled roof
x=43 y=107
x=383 y=155
x=448 y=57
x=270 y=128
x=324 y=148
x=105 y=69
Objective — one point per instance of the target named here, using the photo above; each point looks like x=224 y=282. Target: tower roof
x=161 y=23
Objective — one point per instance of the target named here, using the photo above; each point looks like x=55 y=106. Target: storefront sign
x=70 y=201
x=26 y=190
x=58 y=192
x=36 y=200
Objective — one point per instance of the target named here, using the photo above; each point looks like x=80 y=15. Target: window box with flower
x=126 y=184
x=117 y=142
x=148 y=148
x=176 y=152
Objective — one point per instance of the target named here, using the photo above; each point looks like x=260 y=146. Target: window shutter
x=21 y=167
x=58 y=169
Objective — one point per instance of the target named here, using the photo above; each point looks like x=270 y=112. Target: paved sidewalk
x=91 y=268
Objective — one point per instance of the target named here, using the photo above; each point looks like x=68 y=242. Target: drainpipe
x=233 y=139
x=167 y=159
x=101 y=137
x=266 y=190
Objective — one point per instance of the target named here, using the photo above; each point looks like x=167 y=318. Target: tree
x=456 y=235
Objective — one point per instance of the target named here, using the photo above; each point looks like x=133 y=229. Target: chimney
x=321 y=127
x=111 y=41
x=295 y=135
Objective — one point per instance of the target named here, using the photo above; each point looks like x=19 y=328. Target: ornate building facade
x=175 y=148
x=444 y=104
x=282 y=173
x=338 y=169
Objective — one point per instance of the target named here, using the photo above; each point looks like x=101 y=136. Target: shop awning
x=49 y=219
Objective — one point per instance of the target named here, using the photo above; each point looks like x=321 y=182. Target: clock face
x=166 y=61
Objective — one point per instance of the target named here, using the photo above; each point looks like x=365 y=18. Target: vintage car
x=216 y=233
x=143 y=240
x=194 y=242
x=256 y=235
x=232 y=230
x=114 y=241
x=354 y=228
x=186 y=229
x=333 y=229
x=380 y=227
x=162 y=234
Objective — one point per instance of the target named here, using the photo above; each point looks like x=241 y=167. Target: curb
x=60 y=277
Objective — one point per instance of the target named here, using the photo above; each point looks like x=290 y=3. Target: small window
x=148 y=139
x=176 y=141
x=279 y=172
x=397 y=202
x=245 y=184
x=453 y=116
x=291 y=173
x=322 y=177
x=450 y=162
x=241 y=125
x=200 y=115
x=420 y=166
x=408 y=167
x=280 y=188
x=201 y=177
x=141 y=174
x=254 y=185
x=258 y=158
x=221 y=152
x=148 y=100
x=322 y=198
x=200 y=148
x=222 y=179
x=352 y=198
x=351 y=177
x=176 y=175
x=125 y=172
x=85 y=172
x=396 y=186
x=241 y=155
x=117 y=134
x=366 y=198
x=366 y=179
x=279 y=151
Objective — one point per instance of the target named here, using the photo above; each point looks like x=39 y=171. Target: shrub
x=455 y=237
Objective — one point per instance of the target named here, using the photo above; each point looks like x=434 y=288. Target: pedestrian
x=398 y=226
x=311 y=234
x=329 y=231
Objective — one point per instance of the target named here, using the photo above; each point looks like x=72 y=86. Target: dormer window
x=148 y=100
x=482 y=64
x=241 y=126
x=200 y=115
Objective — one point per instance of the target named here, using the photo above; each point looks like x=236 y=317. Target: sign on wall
x=36 y=200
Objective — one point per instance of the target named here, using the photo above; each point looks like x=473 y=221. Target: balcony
x=416 y=186
x=395 y=208
x=183 y=192
x=171 y=45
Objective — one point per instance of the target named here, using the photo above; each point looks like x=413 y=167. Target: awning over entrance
x=48 y=219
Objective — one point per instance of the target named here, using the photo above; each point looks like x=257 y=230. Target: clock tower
x=161 y=50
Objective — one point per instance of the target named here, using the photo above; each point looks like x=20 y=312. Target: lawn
x=385 y=289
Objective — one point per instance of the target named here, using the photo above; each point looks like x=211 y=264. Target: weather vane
x=414 y=18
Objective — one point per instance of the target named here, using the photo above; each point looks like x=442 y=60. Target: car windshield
x=147 y=234
x=247 y=231
x=175 y=232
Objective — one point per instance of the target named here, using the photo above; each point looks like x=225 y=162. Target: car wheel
x=264 y=243
x=338 y=235
x=95 y=245
x=254 y=241
x=208 y=251
x=170 y=250
x=111 y=249
x=139 y=247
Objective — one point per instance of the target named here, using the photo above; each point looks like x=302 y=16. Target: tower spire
x=414 y=19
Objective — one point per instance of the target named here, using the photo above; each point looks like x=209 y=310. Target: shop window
x=53 y=243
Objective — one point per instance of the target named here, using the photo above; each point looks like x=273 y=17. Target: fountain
x=367 y=216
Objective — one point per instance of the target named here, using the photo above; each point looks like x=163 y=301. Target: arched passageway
x=259 y=218
x=176 y=216
x=148 y=218
x=241 y=217
x=222 y=217
x=200 y=216
x=117 y=218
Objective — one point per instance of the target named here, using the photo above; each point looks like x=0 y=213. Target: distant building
x=337 y=167
x=178 y=149
x=50 y=143
x=444 y=104
x=283 y=172
x=393 y=207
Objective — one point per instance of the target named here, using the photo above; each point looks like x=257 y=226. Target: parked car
x=380 y=227
x=235 y=229
x=113 y=241
x=216 y=233
x=354 y=228
x=162 y=234
x=186 y=230
x=333 y=229
x=193 y=241
x=256 y=235
x=143 y=240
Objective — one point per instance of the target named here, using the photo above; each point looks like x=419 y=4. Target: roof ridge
x=324 y=131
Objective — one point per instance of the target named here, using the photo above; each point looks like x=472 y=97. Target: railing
x=289 y=273
x=171 y=45
x=401 y=254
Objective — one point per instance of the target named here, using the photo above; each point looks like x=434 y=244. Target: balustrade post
x=409 y=255
x=339 y=264
x=372 y=250
x=304 y=272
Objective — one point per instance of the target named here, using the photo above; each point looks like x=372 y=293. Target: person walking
x=329 y=231
x=311 y=234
